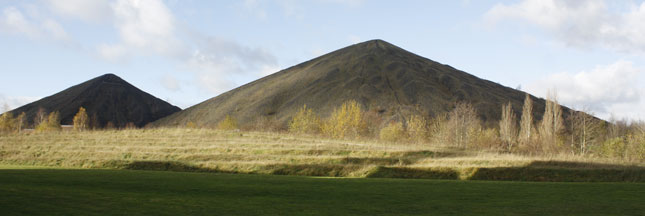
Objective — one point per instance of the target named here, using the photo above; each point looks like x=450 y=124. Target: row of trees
x=580 y=134
x=42 y=121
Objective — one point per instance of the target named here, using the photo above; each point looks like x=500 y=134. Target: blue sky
x=590 y=52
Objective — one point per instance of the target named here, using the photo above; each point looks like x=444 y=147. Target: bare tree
x=508 y=127
x=526 y=123
x=585 y=131
x=20 y=121
x=462 y=125
x=40 y=117
x=552 y=124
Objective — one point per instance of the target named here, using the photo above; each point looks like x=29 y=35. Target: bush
x=305 y=121
x=489 y=138
x=373 y=120
x=229 y=123
x=417 y=129
x=130 y=126
x=614 y=147
x=346 y=121
x=191 y=124
x=7 y=122
x=51 y=123
x=636 y=148
x=393 y=132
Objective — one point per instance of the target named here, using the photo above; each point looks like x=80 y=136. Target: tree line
x=579 y=134
x=44 y=121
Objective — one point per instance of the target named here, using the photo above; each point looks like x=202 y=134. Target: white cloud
x=14 y=21
x=146 y=25
x=86 y=10
x=219 y=62
x=54 y=29
x=605 y=90
x=146 y=28
x=13 y=102
x=580 y=24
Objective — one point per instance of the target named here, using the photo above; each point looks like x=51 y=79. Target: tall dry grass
x=253 y=152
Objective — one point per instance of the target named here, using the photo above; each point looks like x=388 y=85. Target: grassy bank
x=204 y=150
x=109 y=192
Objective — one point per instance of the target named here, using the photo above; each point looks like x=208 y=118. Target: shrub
x=346 y=121
x=267 y=124
x=393 y=132
x=109 y=125
x=81 y=120
x=437 y=132
x=489 y=138
x=614 y=147
x=51 y=123
x=635 y=150
x=229 y=123
x=417 y=129
x=191 y=124
x=130 y=126
x=7 y=122
x=305 y=121
x=373 y=120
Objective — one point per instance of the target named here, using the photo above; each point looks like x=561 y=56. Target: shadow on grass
x=332 y=170
x=544 y=171
x=561 y=171
x=168 y=166
x=417 y=173
x=398 y=158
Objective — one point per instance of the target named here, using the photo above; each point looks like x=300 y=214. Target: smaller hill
x=107 y=98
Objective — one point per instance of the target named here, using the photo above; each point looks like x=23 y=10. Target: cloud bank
x=605 y=90
x=579 y=23
x=145 y=28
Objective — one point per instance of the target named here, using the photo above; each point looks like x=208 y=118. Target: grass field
x=37 y=191
x=206 y=150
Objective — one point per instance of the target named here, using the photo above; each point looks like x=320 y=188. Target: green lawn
x=41 y=191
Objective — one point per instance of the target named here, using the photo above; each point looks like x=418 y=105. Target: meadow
x=220 y=151
x=36 y=191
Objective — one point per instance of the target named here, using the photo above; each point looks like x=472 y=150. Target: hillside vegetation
x=209 y=150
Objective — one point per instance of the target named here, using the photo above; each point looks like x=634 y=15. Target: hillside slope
x=109 y=97
x=382 y=77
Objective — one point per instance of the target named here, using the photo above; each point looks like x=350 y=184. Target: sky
x=590 y=52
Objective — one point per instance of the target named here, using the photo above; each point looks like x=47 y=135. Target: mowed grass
x=132 y=192
x=207 y=150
